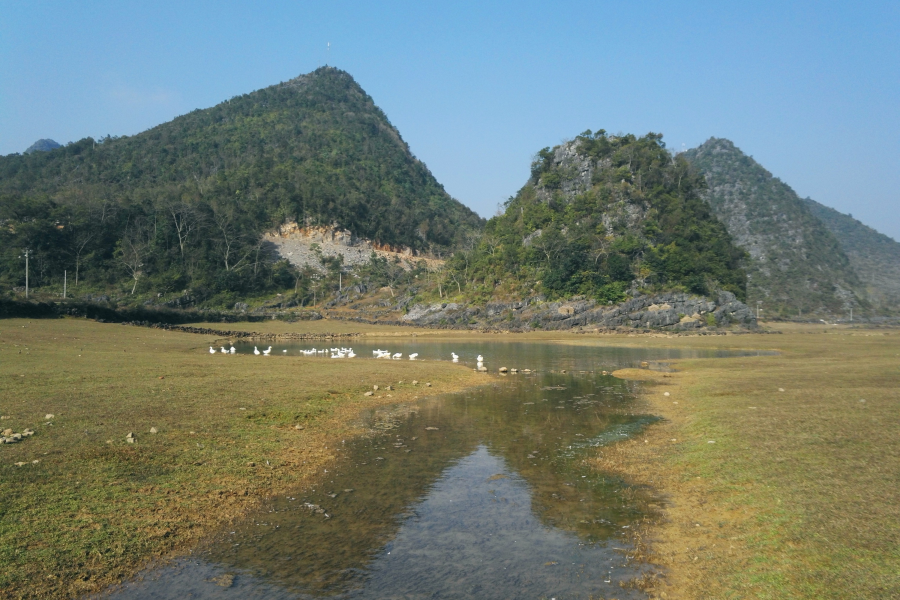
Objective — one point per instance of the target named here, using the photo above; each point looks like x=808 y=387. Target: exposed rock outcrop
x=306 y=246
x=671 y=311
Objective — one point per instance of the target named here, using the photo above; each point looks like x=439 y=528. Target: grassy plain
x=87 y=508
x=779 y=475
x=795 y=499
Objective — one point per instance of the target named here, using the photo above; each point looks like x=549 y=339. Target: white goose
x=212 y=350
x=232 y=350
x=413 y=356
x=454 y=356
x=255 y=350
x=397 y=356
x=224 y=351
x=267 y=351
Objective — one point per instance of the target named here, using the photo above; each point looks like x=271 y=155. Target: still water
x=482 y=494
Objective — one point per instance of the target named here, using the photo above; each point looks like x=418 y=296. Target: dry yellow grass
x=87 y=508
x=797 y=496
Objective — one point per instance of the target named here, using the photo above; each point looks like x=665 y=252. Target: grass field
x=85 y=508
x=798 y=495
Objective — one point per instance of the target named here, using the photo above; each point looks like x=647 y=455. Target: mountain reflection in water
x=482 y=494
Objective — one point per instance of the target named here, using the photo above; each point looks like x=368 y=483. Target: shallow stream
x=482 y=494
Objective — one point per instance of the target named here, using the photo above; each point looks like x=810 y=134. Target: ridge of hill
x=796 y=263
x=874 y=256
x=42 y=145
x=185 y=204
x=602 y=218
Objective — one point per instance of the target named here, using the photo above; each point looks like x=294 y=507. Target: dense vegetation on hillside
x=874 y=257
x=796 y=265
x=183 y=205
x=601 y=215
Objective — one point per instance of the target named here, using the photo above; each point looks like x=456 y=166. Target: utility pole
x=65 y=281
x=851 y=314
x=758 y=302
x=27 y=252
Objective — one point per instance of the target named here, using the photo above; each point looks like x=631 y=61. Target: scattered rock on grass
x=130 y=437
x=369 y=393
x=154 y=430
x=48 y=416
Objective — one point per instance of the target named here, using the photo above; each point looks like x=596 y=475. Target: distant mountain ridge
x=874 y=256
x=43 y=145
x=797 y=265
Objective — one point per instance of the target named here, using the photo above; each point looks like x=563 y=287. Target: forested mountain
x=183 y=205
x=796 y=263
x=874 y=256
x=602 y=215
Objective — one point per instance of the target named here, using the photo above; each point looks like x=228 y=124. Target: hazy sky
x=810 y=89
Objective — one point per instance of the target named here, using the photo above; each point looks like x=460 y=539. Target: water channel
x=481 y=494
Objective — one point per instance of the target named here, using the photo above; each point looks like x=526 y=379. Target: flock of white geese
x=340 y=353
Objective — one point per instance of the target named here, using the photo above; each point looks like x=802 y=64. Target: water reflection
x=484 y=494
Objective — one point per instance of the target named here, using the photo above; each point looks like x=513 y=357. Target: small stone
x=504 y=370
x=48 y=416
x=35 y=461
x=513 y=370
x=162 y=376
x=21 y=464
x=348 y=490
x=427 y=385
x=431 y=429
x=369 y=394
x=415 y=382
x=7 y=432
x=17 y=436
x=780 y=389
x=298 y=427
x=153 y=430
x=644 y=364
x=129 y=440
x=666 y=394
x=389 y=388
x=4 y=417
x=251 y=464
x=375 y=387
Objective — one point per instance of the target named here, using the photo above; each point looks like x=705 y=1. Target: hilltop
x=796 y=263
x=184 y=205
x=603 y=220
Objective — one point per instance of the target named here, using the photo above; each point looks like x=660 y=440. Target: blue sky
x=809 y=89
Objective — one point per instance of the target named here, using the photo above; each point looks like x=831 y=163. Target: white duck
x=267 y=351
x=413 y=356
x=255 y=350
x=212 y=350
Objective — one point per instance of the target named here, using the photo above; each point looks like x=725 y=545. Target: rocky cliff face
x=796 y=263
x=306 y=246
x=667 y=312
